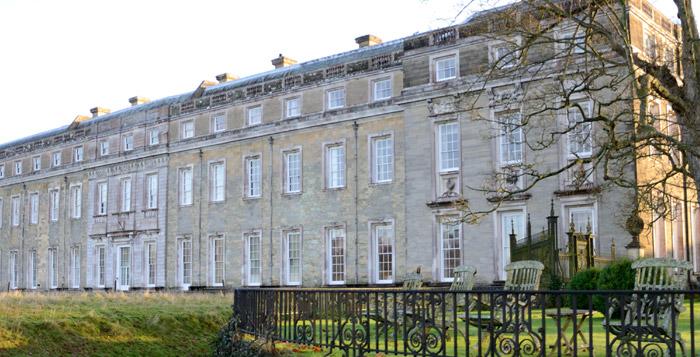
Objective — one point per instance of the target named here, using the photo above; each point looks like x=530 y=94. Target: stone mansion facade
x=337 y=171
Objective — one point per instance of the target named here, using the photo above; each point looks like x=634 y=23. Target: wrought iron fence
x=431 y=322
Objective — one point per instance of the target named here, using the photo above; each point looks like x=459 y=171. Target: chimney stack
x=97 y=111
x=282 y=61
x=226 y=77
x=368 y=40
x=138 y=100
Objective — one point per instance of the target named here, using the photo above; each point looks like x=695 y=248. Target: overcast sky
x=58 y=59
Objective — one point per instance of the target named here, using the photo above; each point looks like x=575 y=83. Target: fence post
x=573 y=256
x=552 y=234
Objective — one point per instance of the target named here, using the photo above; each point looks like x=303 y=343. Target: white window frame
x=253 y=179
x=78 y=153
x=288 y=185
x=75 y=267
x=380 y=94
x=574 y=110
x=292 y=111
x=443 y=223
x=335 y=98
x=213 y=241
x=2 y=170
x=331 y=233
x=36 y=163
x=184 y=274
x=330 y=172
x=104 y=147
x=217 y=185
x=442 y=158
x=504 y=230
x=16 y=206
x=185 y=188
x=440 y=71
x=102 y=198
x=120 y=268
x=52 y=269
x=54 y=204
x=582 y=203
x=13 y=270
x=187 y=129
x=496 y=58
x=287 y=257
x=254 y=115
x=387 y=162
x=33 y=208
x=153 y=137
x=32 y=270
x=56 y=159
x=76 y=196
x=504 y=157
x=128 y=142
x=126 y=194
x=375 y=254
x=152 y=191
x=100 y=265
x=218 y=123
x=18 y=167
x=248 y=259
x=150 y=263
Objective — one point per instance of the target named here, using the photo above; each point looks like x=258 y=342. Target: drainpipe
x=164 y=231
x=19 y=271
x=271 y=141
x=355 y=127
x=65 y=226
x=199 y=223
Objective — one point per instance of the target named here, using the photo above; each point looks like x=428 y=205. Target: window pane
x=254 y=179
x=254 y=262
x=579 y=135
x=511 y=138
x=384 y=252
x=382 y=89
x=335 y=166
x=445 y=68
x=383 y=159
x=336 y=254
x=186 y=262
x=293 y=171
x=294 y=258
x=451 y=252
x=448 y=136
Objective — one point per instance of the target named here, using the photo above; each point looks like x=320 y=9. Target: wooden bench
x=649 y=321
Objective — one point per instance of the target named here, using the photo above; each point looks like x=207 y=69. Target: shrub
x=616 y=276
x=583 y=280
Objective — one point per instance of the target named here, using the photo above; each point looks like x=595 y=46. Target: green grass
x=114 y=324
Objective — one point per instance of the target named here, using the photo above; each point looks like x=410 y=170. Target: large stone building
x=338 y=171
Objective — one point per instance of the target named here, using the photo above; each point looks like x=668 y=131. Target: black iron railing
x=476 y=323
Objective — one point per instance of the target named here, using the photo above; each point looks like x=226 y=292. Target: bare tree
x=582 y=77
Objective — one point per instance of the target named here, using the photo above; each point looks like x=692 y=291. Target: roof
x=349 y=56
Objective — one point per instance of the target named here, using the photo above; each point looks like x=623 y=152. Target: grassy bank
x=89 y=324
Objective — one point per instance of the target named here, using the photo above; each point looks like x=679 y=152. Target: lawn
x=110 y=324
